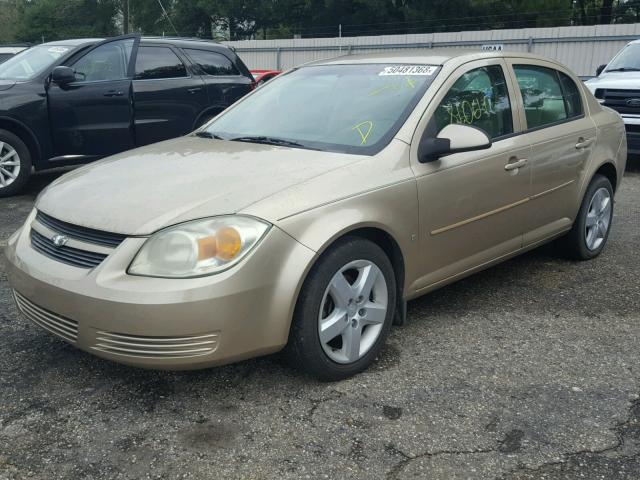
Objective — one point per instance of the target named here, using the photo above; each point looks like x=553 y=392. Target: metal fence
x=580 y=48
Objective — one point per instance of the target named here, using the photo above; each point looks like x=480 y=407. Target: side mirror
x=452 y=139
x=600 y=69
x=63 y=75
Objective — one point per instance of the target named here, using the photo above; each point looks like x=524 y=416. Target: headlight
x=198 y=248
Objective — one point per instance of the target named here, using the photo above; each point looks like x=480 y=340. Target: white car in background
x=618 y=86
x=8 y=51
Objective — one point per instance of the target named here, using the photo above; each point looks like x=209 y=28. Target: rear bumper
x=162 y=323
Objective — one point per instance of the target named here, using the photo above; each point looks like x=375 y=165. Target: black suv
x=75 y=101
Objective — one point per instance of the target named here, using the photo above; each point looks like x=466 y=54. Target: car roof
x=178 y=41
x=74 y=42
x=424 y=57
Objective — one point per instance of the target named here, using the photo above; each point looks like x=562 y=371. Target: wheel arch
x=375 y=233
x=217 y=109
x=25 y=134
x=608 y=170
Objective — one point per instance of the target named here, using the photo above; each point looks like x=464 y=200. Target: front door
x=92 y=116
x=472 y=204
x=167 y=96
x=562 y=140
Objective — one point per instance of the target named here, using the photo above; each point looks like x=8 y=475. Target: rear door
x=92 y=116
x=562 y=139
x=168 y=96
x=225 y=83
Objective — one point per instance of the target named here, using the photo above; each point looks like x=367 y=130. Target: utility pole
x=340 y=38
x=125 y=16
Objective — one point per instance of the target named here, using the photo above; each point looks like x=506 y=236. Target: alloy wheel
x=598 y=219
x=9 y=164
x=353 y=311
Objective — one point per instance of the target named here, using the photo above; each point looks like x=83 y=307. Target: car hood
x=144 y=190
x=6 y=84
x=620 y=80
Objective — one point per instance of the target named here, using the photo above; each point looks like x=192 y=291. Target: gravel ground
x=528 y=370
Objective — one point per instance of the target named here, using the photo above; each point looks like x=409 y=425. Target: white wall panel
x=597 y=45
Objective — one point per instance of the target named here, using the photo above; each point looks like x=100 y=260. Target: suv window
x=158 y=62
x=212 y=63
x=107 y=62
x=479 y=98
x=544 y=103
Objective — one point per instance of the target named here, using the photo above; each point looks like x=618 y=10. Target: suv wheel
x=344 y=312
x=15 y=164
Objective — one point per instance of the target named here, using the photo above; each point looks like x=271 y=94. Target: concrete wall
x=580 y=48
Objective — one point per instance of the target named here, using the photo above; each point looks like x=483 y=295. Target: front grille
x=56 y=324
x=632 y=128
x=155 y=347
x=68 y=255
x=83 y=234
x=617 y=99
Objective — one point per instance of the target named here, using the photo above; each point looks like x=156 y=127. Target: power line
x=168 y=17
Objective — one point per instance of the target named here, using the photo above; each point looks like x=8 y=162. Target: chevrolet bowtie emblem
x=59 y=240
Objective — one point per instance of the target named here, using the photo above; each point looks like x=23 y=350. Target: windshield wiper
x=268 y=141
x=205 y=134
x=623 y=69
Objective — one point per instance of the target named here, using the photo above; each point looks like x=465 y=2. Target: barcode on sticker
x=409 y=70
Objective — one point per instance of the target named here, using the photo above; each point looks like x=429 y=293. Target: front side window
x=544 y=103
x=158 y=62
x=211 y=63
x=479 y=98
x=107 y=62
x=354 y=108
x=31 y=63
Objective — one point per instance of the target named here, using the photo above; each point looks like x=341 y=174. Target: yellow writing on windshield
x=364 y=129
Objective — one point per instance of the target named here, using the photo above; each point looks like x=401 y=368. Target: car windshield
x=340 y=108
x=31 y=63
x=627 y=60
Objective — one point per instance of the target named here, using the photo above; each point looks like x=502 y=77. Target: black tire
x=18 y=145
x=304 y=349
x=575 y=242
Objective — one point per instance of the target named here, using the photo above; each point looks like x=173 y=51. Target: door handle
x=582 y=143
x=114 y=93
x=194 y=89
x=515 y=165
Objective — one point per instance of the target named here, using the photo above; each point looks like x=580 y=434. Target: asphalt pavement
x=528 y=370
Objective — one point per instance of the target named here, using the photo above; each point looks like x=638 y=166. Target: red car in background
x=263 y=76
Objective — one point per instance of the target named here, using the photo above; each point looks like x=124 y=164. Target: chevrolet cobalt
x=305 y=216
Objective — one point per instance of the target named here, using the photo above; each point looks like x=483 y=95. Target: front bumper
x=632 y=128
x=163 y=323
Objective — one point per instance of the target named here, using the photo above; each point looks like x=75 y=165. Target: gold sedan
x=306 y=215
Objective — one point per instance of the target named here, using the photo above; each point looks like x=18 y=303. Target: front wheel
x=344 y=311
x=15 y=164
x=590 y=231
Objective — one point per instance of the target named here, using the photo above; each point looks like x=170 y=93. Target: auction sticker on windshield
x=409 y=70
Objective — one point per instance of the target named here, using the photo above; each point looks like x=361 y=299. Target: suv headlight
x=198 y=248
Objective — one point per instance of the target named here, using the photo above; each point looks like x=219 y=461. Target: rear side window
x=479 y=98
x=212 y=63
x=158 y=62
x=573 y=100
x=544 y=103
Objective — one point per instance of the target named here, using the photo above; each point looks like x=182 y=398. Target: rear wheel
x=344 y=311
x=15 y=164
x=591 y=228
